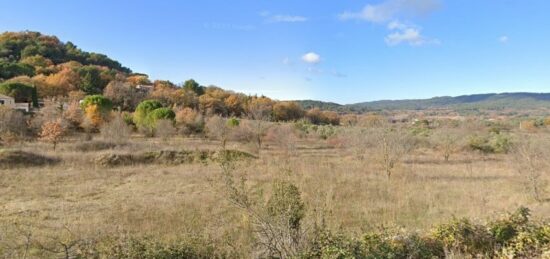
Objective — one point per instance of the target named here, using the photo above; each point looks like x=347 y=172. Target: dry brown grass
x=167 y=202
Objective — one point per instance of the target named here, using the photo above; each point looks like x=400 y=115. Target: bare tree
x=284 y=136
x=219 y=128
x=165 y=129
x=392 y=145
x=530 y=162
x=260 y=115
x=116 y=131
x=13 y=125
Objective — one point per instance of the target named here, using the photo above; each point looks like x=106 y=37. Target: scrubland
x=355 y=180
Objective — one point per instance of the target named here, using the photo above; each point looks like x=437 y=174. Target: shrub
x=160 y=114
x=143 y=110
x=492 y=143
x=104 y=105
x=507 y=228
x=466 y=237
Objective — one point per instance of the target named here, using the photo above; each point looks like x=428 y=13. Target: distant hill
x=492 y=101
x=310 y=104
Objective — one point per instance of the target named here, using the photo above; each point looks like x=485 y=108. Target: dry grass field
x=342 y=185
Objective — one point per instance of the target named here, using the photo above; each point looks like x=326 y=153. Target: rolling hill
x=491 y=101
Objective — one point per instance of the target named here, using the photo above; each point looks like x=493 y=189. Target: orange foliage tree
x=52 y=131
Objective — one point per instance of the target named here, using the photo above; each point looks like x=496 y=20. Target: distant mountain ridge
x=491 y=101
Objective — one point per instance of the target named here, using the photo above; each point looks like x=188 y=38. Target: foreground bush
x=511 y=236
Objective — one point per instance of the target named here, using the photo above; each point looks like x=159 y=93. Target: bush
x=143 y=110
x=466 y=237
x=492 y=143
x=104 y=105
x=160 y=114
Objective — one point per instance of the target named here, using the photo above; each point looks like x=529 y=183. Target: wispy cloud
x=318 y=71
x=277 y=18
x=228 y=26
x=287 y=61
x=391 y=9
x=407 y=33
x=311 y=58
x=503 y=39
x=390 y=12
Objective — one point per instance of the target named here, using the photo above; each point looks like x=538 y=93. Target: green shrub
x=149 y=248
x=143 y=110
x=466 y=237
x=233 y=122
x=105 y=105
x=506 y=228
x=492 y=143
x=159 y=114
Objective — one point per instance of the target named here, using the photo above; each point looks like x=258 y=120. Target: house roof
x=5 y=96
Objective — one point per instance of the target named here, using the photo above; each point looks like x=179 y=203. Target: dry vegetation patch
x=17 y=159
x=170 y=157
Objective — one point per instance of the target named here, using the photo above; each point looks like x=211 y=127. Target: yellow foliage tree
x=94 y=117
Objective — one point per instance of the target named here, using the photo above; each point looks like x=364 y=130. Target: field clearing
x=167 y=201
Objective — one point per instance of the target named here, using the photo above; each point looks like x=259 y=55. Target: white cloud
x=503 y=39
x=311 y=57
x=408 y=34
x=392 y=9
x=397 y=25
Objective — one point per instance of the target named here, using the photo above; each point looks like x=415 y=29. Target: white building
x=10 y=102
x=7 y=101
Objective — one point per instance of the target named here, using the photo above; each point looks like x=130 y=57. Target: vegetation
x=192 y=171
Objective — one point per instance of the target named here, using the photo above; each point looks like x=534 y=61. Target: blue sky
x=342 y=51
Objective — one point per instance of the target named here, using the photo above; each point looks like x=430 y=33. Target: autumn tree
x=96 y=108
x=235 y=104
x=287 y=111
x=138 y=79
x=123 y=95
x=73 y=114
x=190 y=120
x=58 y=84
x=52 y=131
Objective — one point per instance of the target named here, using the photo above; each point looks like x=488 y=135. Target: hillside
x=492 y=101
